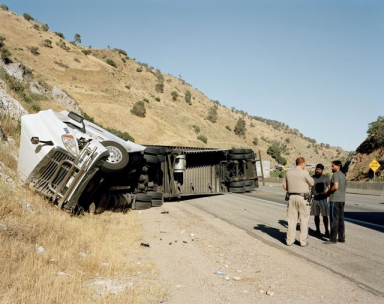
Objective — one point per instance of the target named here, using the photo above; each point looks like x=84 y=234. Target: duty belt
x=301 y=194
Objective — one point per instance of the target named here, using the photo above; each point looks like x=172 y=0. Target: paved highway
x=263 y=215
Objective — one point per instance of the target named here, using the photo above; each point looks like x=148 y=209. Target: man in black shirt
x=320 y=204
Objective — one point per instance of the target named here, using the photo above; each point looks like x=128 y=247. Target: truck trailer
x=81 y=167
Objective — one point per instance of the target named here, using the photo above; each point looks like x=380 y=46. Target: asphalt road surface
x=263 y=215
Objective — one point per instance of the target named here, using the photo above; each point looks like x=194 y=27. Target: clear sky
x=317 y=66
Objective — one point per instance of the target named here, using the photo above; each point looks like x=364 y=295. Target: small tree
x=240 y=128
x=376 y=133
x=4 y=7
x=77 y=38
x=188 y=97
x=174 y=95
x=212 y=114
x=138 y=109
x=28 y=17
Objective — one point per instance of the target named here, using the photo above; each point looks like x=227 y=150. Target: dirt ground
x=202 y=259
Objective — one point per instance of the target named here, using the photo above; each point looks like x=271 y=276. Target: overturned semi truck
x=79 y=166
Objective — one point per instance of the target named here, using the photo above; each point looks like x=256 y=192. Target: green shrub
x=159 y=87
x=146 y=99
x=61 y=64
x=157 y=99
x=139 y=69
x=188 y=97
x=212 y=114
x=122 y=52
x=5 y=54
x=138 y=109
x=33 y=49
x=240 y=128
x=228 y=128
x=36 y=27
x=274 y=151
x=196 y=128
x=4 y=7
x=123 y=59
x=376 y=133
x=47 y=43
x=111 y=63
x=128 y=87
x=60 y=34
x=203 y=138
x=174 y=95
x=28 y=17
x=62 y=45
x=255 y=141
x=44 y=27
x=86 y=52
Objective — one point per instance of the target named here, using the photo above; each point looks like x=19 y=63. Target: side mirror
x=35 y=140
x=78 y=118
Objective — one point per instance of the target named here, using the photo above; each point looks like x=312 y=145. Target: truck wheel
x=118 y=157
x=240 y=184
x=151 y=159
x=152 y=150
x=142 y=202
x=237 y=190
x=237 y=156
x=237 y=151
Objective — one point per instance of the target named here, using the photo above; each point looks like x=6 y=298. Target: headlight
x=70 y=143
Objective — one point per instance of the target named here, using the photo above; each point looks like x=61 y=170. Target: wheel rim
x=115 y=155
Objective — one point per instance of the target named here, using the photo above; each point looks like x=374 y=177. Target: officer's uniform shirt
x=298 y=180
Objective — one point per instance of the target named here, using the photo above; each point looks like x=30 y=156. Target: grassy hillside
x=107 y=83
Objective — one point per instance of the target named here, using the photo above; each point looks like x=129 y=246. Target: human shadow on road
x=273 y=232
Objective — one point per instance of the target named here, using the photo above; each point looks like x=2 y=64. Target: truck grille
x=41 y=181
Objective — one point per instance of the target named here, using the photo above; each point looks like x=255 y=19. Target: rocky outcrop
x=358 y=167
x=17 y=70
x=8 y=105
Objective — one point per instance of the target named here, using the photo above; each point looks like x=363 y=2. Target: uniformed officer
x=297 y=183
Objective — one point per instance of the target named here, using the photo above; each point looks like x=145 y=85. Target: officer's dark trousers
x=337 y=221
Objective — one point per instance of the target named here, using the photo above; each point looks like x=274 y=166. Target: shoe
x=327 y=234
x=306 y=244
x=329 y=243
x=341 y=241
x=317 y=233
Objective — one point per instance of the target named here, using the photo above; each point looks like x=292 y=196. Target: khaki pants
x=297 y=207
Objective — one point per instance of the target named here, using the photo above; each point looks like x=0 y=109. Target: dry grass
x=92 y=259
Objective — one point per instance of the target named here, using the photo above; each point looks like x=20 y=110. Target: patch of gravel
x=202 y=259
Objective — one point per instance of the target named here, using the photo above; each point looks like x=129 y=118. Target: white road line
x=346 y=218
x=259 y=199
x=365 y=223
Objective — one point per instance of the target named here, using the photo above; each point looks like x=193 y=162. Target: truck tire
x=151 y=159
x=118 y=157
x=152 y=150
x=161 y=158
x=239 y=184
x=237 y=156
x=237 y=151
x=237 y=190
x=142 y=202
